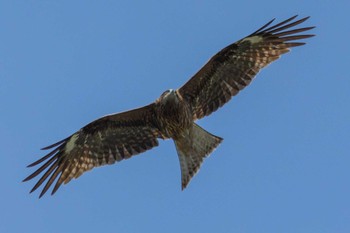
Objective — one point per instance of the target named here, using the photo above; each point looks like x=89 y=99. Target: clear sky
x=283 y=165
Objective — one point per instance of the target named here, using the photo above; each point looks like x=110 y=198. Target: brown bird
x=119 y=136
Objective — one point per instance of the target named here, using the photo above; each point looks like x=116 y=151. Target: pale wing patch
x=71 y=143
x=253 y=39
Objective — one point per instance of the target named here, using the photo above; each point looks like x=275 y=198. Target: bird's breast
x=174 y=118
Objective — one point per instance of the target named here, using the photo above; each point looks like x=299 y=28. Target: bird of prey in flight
x=115 y=137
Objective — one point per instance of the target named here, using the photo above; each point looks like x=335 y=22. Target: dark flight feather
x=234 y=67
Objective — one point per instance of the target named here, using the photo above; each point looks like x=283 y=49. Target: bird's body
x=119 y=136
x=173 y=114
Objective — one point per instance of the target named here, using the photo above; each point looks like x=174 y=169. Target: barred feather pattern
x=192 y=148
x=105 y=141
x=234 y=67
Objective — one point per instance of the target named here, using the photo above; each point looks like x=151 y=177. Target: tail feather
x=192 y=149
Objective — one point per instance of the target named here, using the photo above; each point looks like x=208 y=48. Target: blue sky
x=283 y=165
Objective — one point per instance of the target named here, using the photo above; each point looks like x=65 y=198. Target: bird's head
x=168 y=96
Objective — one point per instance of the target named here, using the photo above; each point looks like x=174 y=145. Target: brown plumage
x=119 y=136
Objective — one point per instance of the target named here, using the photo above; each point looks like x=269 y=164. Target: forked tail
x=192 y=149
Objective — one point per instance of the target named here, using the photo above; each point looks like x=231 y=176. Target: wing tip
x=31 y=165
x=56 y=144
x=42 y=194
x=282 y=25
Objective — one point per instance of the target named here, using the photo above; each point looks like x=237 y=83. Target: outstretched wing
x=234 y=67
x=103 y=141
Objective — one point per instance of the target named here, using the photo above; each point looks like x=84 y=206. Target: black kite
x=119 y=136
